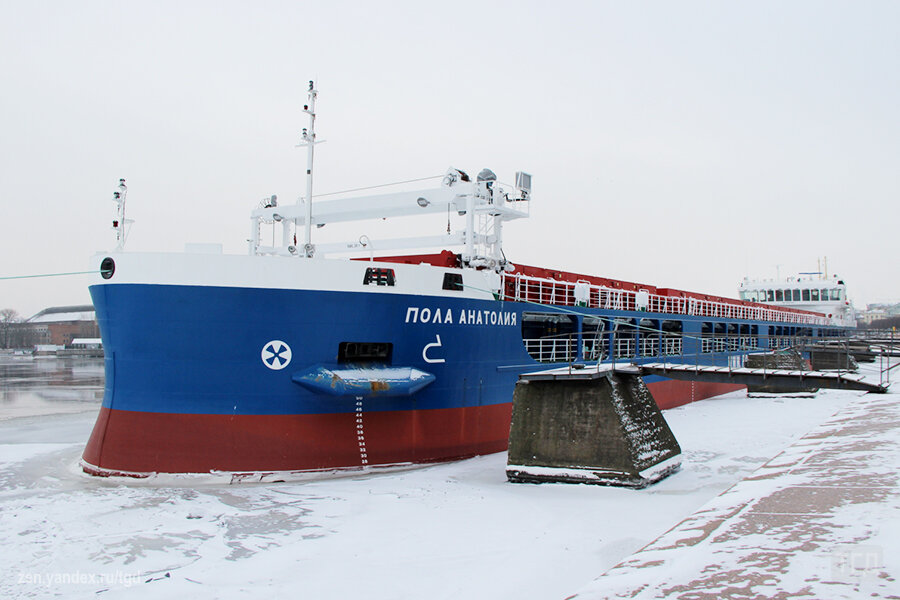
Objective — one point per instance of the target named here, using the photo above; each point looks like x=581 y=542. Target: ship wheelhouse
x=790 y=292
x=824 y=295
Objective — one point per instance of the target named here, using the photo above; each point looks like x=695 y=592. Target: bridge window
x=796 y=295
x=549 y=337
x=771 y=295
x=806 y=295
x=779 y=296
x=814 y=295
x=836 y=294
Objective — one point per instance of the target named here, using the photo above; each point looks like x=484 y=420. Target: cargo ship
x=291 y=360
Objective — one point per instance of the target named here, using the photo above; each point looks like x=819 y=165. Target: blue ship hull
x=204 y=378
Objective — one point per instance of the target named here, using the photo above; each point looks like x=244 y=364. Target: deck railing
x=663 y=346
x=524 y=288
x=551 y=349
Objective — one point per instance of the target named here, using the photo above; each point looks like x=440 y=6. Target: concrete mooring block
x=602 y=428
x=789 y=360
x=836 y=359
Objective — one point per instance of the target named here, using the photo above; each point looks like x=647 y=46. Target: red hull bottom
x=672 y=393
x=141 y=443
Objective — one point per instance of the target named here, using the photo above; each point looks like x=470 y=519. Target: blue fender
x=363 y=381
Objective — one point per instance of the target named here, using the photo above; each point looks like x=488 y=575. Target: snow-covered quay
x=819 y=520
x=810 y=494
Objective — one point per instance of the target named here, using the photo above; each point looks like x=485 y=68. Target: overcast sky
x=680 y=144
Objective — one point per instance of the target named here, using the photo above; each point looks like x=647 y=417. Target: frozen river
x=35 y=386
x=455 y=530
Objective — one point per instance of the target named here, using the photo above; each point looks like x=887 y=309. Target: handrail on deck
x=539 y=290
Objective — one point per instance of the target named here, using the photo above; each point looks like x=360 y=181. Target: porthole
x=107 y=267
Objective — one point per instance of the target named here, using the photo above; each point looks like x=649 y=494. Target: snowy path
x=820 y=520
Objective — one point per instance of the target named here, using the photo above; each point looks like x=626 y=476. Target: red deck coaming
x=449 y=259
x=143 y=442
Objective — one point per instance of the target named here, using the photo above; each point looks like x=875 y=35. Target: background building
x=880 y=316
x=56 y=326
x=61 y=324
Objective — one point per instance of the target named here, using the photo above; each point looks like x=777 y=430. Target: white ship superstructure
x=809 y=291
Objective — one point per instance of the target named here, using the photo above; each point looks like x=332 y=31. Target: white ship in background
x=815 y=291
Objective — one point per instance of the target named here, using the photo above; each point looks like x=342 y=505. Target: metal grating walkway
x=771 y=377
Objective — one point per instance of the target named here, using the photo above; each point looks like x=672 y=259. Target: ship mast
x=485 y=204
x=120 y=222
x=309 y=140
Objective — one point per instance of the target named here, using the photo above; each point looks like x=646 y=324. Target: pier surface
x=819 y=520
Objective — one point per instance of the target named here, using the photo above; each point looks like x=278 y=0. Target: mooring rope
x=47 y=275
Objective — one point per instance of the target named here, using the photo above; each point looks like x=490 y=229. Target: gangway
x=775 y=378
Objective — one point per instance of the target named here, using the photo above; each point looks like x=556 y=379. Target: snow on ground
x=457 y=530
x=820 y=520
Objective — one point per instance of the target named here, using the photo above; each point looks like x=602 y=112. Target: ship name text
x=415 y=314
